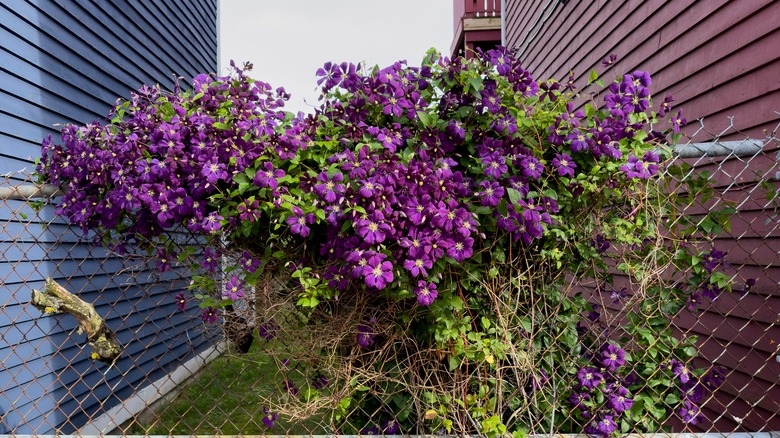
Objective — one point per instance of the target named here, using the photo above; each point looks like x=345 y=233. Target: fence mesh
x=248 y=372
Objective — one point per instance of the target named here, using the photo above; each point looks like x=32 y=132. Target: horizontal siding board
x=712 y=98
x=711 y=41
x=159 y=64
x=754 y=306
x=63 y=49
x=734 y=356
x=743 y=117
x=104 y=40
x=559 y=47
x=68 y=62
x=714 y=56
x=758 y=336
x=753 y=252
x=30 y=132
x=751 y=418
x=82 y=407
x=755 y=411
x=18 y=79
x=176 y=46
x=29 y=51
x=33 y=103
x=196 y=40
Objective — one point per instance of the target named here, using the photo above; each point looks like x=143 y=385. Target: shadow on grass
x=225 y=398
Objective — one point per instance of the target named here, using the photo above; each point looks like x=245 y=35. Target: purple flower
x=612 y=357
x=210 y=259
x=234 y=289
x=213 y=172
x=578 y=141
x=532 y=168
x=269 y=419
x=426 y=292
x=460 y=248
x=378 y=272
x=209 y=315
x=602 y=425
x=181 y=301
x=638 y=168
x=491 y=193
x=372 y=229
x=680 y=370
x=418 y=262
x=299 y=222
x=211 y=223
x=267 y=176
x=619 y=401
x=268 y=330
x=713 y=259
x=714 y=378
x=589 y=377
x=391 y=427
x=328 y=187
x=690 y=413
x=600 y=243
x=665 y=106
x=365 y=336
x=163 y=260
x=494 y=166
x=319 y=382
x=609 y=60
x=564 y=165
x=248 y=263
x=577 y=399
x=289 y=387
x=677 y=122
x=371 y=430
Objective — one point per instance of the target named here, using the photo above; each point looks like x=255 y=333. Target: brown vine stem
x=56 y=299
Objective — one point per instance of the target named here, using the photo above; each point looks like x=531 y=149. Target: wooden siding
x=64 y=61
x=718 y=58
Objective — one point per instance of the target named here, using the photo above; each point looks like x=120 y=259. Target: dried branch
x=56 y=299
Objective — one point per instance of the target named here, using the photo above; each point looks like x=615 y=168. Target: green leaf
x=425 y=118
x=514 y=196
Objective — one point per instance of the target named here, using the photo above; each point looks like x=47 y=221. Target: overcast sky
x=288 y=40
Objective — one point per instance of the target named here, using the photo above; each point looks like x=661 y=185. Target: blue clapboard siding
x=66 y=61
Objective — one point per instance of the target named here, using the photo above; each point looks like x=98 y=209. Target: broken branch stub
x=56 y=299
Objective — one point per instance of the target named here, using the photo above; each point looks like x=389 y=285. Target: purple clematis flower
x=378 y=272
x=234 y=288
x=329 y=187
x=426 y=292
x=612 y=357
x=299 y=222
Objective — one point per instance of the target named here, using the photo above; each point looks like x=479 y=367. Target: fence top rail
x=29 y=191
x=737 y=148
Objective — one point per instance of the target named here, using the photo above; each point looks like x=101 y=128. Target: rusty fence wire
x=179 y=375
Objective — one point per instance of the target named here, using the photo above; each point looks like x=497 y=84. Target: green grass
x=226 y=397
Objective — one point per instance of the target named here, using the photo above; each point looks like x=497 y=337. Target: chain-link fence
x=177 y=374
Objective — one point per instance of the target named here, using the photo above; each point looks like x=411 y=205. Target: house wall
x=67 y=62
x=720 y=60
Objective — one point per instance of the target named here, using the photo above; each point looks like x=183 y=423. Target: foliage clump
x=450 y=247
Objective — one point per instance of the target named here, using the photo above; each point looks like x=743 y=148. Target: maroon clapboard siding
x=719 y=58
x=721 y=61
